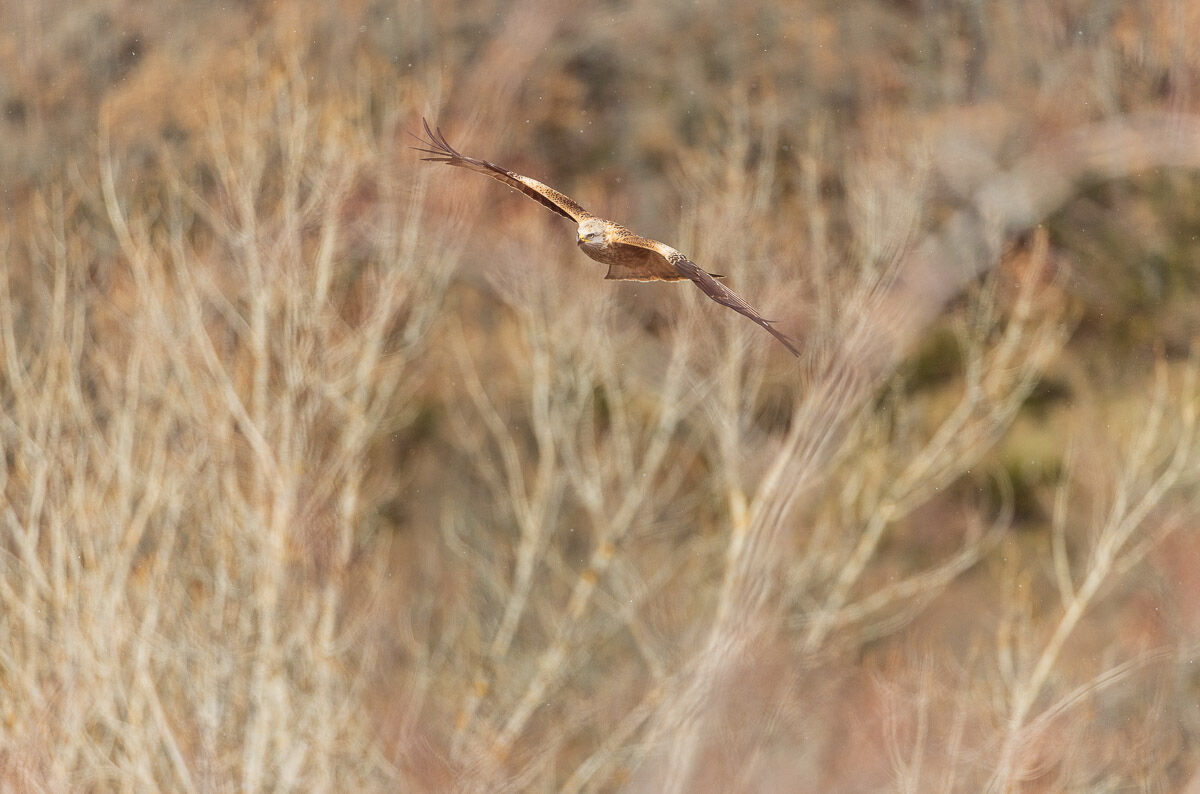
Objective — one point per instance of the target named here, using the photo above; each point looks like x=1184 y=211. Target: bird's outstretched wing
x=435 y=144
x=710 y=286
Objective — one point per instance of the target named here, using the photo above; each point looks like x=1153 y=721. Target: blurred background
x=325 y=468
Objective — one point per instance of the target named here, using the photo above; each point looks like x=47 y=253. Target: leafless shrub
x=185 y=421
x=268 y=522
x=1147 y=493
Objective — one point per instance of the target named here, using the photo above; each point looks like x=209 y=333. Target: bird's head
x=591 y=232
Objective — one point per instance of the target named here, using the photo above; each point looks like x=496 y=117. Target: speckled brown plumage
x=630 y=257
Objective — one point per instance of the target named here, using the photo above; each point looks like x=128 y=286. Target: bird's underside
x=630 y=257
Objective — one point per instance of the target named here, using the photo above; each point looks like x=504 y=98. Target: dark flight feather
x=629 y=256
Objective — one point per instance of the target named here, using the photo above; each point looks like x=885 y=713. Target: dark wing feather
x=711 y=287
x=435 y=144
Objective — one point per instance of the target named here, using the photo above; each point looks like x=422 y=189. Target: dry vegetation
x=325 y=469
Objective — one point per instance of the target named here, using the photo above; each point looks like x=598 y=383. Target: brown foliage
x=325 y=469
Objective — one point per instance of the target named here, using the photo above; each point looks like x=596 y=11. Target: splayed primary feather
x=630 y=257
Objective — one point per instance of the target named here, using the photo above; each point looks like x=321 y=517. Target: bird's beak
x=582 y=239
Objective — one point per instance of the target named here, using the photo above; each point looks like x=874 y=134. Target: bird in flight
x=630 y=257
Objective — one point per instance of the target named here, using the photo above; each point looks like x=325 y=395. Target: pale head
x=591 y=232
